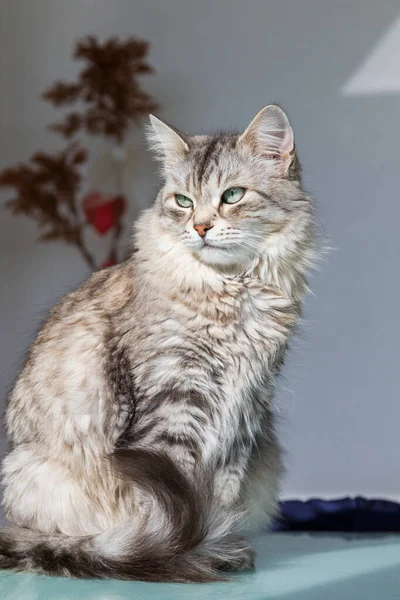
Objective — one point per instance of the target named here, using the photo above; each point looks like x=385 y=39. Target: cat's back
x=66 y=361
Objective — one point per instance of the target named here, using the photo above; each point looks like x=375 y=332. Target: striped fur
x=142 y=425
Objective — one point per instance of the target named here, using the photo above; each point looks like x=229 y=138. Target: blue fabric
x=344 y=514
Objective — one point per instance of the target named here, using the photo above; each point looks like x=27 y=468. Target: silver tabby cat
x=142 y=425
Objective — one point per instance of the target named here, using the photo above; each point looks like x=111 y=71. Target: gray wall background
x=218 y=63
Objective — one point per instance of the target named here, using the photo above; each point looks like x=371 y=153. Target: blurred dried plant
x=108 y=99
x=107 y=87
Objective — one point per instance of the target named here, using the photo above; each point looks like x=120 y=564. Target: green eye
x=183 y=201
x=233 y=195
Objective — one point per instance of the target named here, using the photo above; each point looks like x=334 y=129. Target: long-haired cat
x=142 y=425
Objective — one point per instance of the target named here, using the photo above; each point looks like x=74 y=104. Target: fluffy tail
x=179 y=537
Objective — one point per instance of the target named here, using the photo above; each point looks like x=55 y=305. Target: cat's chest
x=220 y=344
x=249 y=327
x=216 y=355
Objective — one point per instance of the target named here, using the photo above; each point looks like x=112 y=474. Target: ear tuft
x=270 y=134
x=164 y=140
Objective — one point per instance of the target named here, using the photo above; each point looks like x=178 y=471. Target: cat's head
x=231 y=198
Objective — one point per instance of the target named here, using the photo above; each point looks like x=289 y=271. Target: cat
x=142 y=425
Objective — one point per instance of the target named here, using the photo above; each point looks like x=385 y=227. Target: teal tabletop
x=288 y=567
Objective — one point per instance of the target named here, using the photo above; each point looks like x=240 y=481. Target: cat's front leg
x=178 y=428
x=230 y=475
x=260 y=492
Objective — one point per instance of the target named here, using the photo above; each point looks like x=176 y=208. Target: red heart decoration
x=103 y=212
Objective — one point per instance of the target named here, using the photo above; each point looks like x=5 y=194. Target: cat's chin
x=220 y=257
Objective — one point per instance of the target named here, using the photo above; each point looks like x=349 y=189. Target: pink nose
x=202 y=229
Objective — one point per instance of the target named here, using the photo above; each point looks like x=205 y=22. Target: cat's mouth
x=211 y=245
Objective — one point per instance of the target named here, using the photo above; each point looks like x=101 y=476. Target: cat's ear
x=165 y=141
x=270 y=134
